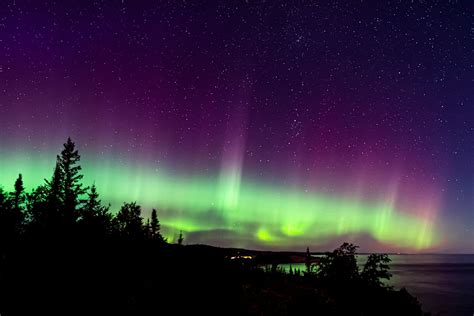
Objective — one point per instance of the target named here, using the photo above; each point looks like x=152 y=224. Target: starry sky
x=260 y=124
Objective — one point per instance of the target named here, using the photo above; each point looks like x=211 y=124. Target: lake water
x=444 y=284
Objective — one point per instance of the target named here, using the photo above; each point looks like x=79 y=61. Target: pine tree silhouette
x=3 y=199
x=73 y=189
x=37 y=210
x=52 y=217
x=5 y=209
x=308 y=261
x=155 y=227
x=147 y=228
x=18 y=196
x=180 y=238
x=95 y=218
x=17 y=203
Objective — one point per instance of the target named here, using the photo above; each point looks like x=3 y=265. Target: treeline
x=63 y=208
x=62 y=252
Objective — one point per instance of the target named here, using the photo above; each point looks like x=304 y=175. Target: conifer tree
x=93 y=206
x=18 y=195
x=308 y=261
x=155 y=225
x=147 y=228
x=55 y=197
x=95 y=217
x=37 y=209
x=4 y=218
x=17 y=205
x=3 y=199
x=180 y=238
x=73 y=188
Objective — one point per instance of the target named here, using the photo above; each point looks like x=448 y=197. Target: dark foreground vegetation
x=64 y=253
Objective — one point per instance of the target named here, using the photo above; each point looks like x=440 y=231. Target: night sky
x=260 y=124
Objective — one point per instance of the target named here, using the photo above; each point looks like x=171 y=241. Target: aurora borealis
x=254 y=124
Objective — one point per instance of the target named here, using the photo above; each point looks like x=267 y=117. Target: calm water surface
x=444 y=284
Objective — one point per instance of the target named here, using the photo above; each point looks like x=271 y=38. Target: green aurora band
x=256 y=213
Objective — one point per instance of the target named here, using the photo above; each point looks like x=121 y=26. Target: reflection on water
x=444 y=284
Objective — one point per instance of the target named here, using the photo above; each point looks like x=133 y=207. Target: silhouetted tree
x=129 y=222
x=11 y=213
x=18 y=195
x=308 y=261
x=95 y=218
x=147 y=228
x=52 y=217
x=14 y=209
x=3 y=199
x=375 y=269
x=37 y=209
x=154 y=227
x=155 y=224
x=5 y=222
x=180 y=238
x=72 y=186
x=92 y=206
x=339 y=265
